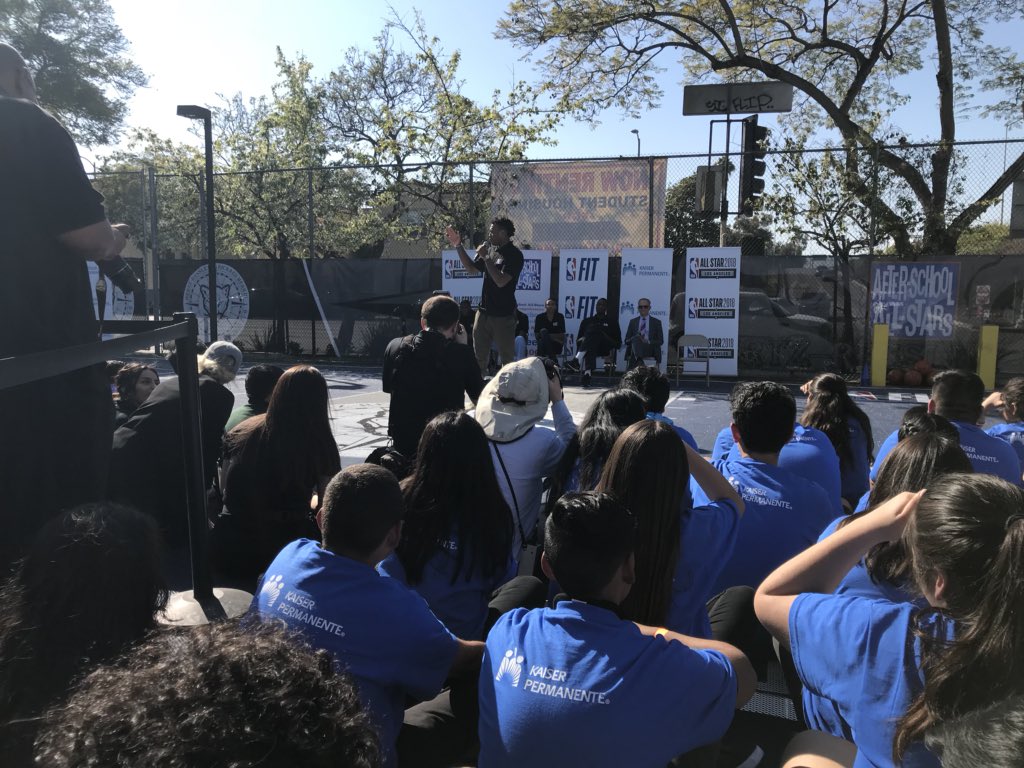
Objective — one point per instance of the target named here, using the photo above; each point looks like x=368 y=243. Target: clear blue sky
x=194 y=49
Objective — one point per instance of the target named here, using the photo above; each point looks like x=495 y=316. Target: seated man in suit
x=599 y=334
x=644 y=336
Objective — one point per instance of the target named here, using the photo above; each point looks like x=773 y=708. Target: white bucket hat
x=514 y=400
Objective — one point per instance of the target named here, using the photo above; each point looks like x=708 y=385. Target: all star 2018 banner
x=713 y=306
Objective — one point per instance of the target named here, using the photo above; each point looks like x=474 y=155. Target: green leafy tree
x=404 y=116
x=684 y=225
x=842 y=58
x=79 y=58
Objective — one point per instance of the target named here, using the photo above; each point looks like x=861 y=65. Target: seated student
x=885 y=572
x=680 y=550
x=992 y=737
x=893 y=670
x=580 y=468
x=916 y=421
x=957 y=396
x=653 y=386
x=219 y=694
x=831 y=410
x=785 y=512
x=1010 y=402
x=379 y=631
x=456 y=541
x=577 y=685
x=808 y=454
x=259 y=384
x=88 y=588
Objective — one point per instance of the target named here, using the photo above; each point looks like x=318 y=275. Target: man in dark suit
x=644 y=336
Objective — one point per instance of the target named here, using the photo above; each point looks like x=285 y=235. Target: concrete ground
x=359 y=409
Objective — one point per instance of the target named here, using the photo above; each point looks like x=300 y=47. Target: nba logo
x=570 y=306
x=692 y=306
x=570 y=269
x=694 y=272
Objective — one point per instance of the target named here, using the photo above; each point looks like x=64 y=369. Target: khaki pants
x=500 y=330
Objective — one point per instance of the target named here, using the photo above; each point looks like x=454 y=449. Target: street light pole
x=636 y=131
x=193 y=112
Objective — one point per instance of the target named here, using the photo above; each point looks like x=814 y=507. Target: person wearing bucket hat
x=147 y=468
x=524 y=452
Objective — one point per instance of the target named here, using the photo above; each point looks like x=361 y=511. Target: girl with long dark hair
x=679 y=551
x=608 y=415
x=89 y=587
x=895 y=670
x=273 y=466
x=831 y=410
x=456 y=540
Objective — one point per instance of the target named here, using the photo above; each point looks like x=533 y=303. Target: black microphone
x=120 y=274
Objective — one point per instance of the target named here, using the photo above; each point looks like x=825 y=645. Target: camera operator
x=57 y=432
x=428 y=373
x=524 y=452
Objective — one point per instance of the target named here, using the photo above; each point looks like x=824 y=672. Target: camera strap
x=515 y=502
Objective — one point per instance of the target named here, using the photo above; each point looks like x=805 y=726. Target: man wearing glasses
x=644 y=336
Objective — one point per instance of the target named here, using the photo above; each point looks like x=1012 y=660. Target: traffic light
x=752 y=165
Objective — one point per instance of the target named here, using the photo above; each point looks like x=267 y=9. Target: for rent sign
x=916 y=300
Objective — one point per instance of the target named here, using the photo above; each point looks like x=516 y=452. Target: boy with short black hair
x=653 y=386
x=958 y=395
x=577 y=685
x=379 y=631
x=785 y=512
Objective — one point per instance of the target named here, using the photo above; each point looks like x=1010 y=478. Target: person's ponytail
x=970 y=530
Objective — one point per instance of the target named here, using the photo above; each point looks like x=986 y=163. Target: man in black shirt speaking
x=501 y=262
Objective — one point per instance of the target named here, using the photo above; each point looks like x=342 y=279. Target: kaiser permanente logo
x=711 y=308
x=627 y=306
x=712 y=267
x=628 y=268
x=543 y=681
x=272 y=589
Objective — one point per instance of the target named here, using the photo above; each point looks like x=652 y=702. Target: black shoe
x=586 y=379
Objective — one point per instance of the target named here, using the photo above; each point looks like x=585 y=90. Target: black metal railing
x=183 y=330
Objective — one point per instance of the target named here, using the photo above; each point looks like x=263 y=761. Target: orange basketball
x=895 y=376
x=912 y=378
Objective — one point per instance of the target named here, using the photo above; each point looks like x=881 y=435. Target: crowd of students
x=420 y=630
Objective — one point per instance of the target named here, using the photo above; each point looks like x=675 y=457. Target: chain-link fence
x=799 y=312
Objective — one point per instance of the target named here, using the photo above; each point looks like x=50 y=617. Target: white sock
x=580 y=356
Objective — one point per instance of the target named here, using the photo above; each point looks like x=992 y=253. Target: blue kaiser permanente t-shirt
x=809 y=454
x=707 y=537
x=683 y=433
x=379 y=631
x=576 y=685
x=1013 y=433
x=862 y=658
x=989 y=455
x=785 y=513
x=461 y=605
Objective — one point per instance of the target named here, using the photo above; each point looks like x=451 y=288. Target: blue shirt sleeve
x=423 y=649
x=723 y=444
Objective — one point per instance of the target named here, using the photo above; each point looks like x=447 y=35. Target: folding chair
x=695 y=342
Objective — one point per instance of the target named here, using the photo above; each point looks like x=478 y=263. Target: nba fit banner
x=713 y=305
x=532 y=290
x=583 y=281
x=646 y=274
